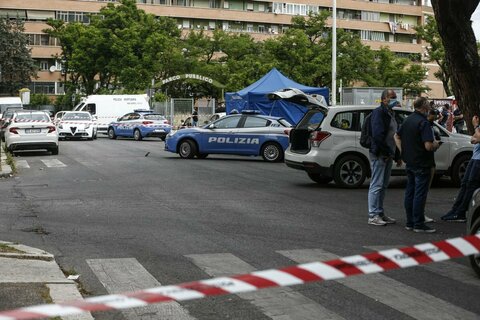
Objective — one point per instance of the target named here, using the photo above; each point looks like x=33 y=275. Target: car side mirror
x=212 y=126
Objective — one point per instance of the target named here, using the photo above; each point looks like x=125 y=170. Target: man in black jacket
x=416 y=142
x=382 y=154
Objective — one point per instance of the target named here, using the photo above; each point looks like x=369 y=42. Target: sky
x=476 y=23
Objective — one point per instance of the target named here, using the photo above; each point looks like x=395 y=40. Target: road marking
x=276 y=303
x=22 y=164
x=388 y=291
x=54 y=163
x=122 y=275
x=447 y=269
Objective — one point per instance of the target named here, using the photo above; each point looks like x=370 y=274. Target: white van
x=108 y=108
x=9 y=102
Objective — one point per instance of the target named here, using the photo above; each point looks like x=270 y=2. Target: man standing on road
x=417 y=144
x=458 y=122
x=195 y=116
x=470 y=181
x=382 y=154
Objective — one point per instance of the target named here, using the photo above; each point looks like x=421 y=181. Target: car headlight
x=171 y=133
x=87 y=125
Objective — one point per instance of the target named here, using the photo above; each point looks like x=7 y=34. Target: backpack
x=366 y=134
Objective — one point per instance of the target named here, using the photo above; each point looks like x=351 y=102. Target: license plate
x=33 y=130
x=159 y=130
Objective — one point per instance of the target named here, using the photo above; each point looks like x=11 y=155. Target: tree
x=461 y=54
x=16 y=64
x=435 y=52
x=392 y=71
x=119 y=49
x=39 y=100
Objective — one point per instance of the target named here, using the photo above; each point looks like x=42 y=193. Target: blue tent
x=254 y=97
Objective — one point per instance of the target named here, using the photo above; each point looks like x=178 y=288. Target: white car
x=77 y=124
x=31 y=130
x=326 y=144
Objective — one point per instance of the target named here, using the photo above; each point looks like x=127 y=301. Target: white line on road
x=23 y=164
x=449 y=269
x=122 y=275
x=399 y=296
x=276 y=303
x=54 y=163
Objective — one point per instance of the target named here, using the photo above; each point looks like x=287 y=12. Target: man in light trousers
x=382 y=154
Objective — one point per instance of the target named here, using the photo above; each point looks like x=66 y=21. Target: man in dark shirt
x=458 y=121
x=195 y=116
x=416 y=143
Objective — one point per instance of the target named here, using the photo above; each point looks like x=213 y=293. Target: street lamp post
x=334 y=53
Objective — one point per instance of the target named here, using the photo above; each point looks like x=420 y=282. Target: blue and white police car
x=248 y=134
x=140 y=124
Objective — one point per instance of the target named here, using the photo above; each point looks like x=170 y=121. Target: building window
x=41 y=40
x=42 y=87
x=261 y=28
x=43 y=65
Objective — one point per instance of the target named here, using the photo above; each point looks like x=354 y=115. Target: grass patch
x=10 y=160
x=70 y=272
x=7 y=249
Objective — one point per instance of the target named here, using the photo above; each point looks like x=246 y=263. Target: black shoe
x=424 y=229
x=454 y=218
x=409 y=228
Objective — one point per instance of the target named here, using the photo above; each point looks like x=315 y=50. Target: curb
x=5 y=169
x=35 y=266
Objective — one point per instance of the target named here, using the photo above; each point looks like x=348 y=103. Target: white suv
x=326 y=144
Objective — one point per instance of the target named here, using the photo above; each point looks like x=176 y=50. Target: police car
x=140 y=124
x=248 y=134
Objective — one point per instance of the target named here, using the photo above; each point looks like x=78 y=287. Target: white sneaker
x=428 y=219
x=377 y=221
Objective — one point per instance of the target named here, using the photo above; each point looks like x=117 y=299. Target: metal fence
x=178 y=109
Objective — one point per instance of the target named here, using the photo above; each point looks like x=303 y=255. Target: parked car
x=140 y=124
x=217 y=116
x=5 y=119
x=58 y=116
x=31 y=130
x=473 y=227
x=326 y=144
x=77 y=124
x=240 y=134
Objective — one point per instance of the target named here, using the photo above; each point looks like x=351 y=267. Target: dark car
x=473 y=227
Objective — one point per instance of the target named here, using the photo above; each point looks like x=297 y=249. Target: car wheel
x=202 y=155
x=272 y=152
x=350 y=171
x=459 y=168
x=475 y=258
x=54 y=151
x=111 y=133
x=187 y=149
x=318 y=178
x=137 y=135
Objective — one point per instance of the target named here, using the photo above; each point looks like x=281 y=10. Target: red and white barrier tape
x=314 y=271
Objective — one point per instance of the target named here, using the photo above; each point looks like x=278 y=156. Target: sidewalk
x=30 y=276
x=5 y=169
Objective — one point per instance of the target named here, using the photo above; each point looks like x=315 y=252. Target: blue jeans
x=418 y=181
x=381 y=169
x=470 y=182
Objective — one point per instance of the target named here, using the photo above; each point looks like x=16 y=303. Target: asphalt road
x=176 y=220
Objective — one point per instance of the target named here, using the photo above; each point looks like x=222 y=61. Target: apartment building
x=378 y=23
